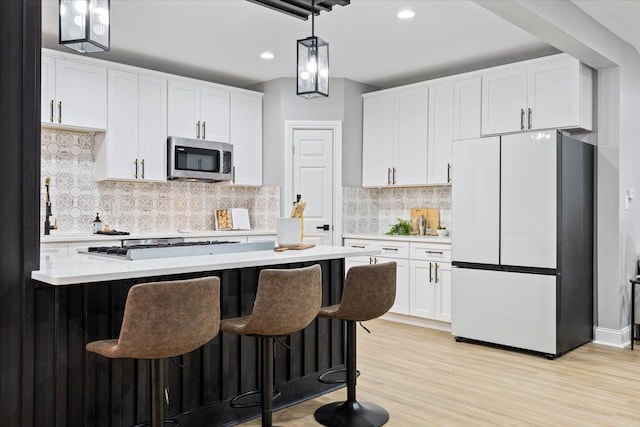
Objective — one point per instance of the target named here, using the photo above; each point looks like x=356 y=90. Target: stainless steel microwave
x=198 y=159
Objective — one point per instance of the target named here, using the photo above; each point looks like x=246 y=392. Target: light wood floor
x=424 y=378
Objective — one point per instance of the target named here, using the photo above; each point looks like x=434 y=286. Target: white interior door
x=313 y=180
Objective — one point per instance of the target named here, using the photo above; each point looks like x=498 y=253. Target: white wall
x=565 y=26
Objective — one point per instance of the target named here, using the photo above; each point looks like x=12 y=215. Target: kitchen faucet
x=47 y=224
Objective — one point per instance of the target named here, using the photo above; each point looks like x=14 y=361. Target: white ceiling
x=220 y=40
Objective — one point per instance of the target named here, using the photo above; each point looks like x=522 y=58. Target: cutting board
x=430 y=215
x=294 y=248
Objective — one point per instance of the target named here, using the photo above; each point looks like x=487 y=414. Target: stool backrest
x=166 y=319
x=369 y=292
x=286 y=301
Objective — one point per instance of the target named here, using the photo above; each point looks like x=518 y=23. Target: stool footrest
x=324 y=380
x=234 y=402
x=351 y=414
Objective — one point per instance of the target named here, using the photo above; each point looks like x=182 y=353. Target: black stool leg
x=157 y=393
x=267 y=381
x=351 y=413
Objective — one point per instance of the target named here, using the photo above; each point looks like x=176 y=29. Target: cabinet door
x=528 y=202
x=117 y=160
x=356 y=260
x=423 y=291
x=441 y=103
x=82 y=91
x=377 y=140
x=467 y=108
x=48 y=90
x=152 y=137
x=411 y=128
x=246 y=137
x=504 y=101
x=554 y=94
x=443 y=292
x=401 y=304
x=214 y=114
x=183 y=109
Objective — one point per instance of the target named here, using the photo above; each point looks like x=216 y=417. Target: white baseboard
x=418 y=321
x=613 y=337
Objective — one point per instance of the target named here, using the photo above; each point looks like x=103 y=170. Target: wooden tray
x=431 y=215
x=294 y=248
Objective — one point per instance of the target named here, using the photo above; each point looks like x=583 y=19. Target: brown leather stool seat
x=287 y=301
x=161 y=320
x=369 y=292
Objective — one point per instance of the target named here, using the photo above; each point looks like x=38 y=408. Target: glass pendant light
x=313 y=64
x=84 y=25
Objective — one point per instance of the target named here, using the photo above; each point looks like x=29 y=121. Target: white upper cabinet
x=198 y=111
x=395 y=132
x=441 y=115
x=541 y=94
x=467 y=108
x=134 y=148
x=73 y=94
x=246 y=137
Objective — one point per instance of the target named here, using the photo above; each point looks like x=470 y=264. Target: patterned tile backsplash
x=67 y=158
x=374 y=210
x=76 y=197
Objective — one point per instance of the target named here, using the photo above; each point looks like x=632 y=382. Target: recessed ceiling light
x=406 y=14
x=267 y=55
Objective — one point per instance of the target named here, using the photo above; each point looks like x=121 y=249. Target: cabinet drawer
x=431 y=252
x=388 y=249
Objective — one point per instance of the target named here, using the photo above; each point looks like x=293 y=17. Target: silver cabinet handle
x=357 y=246
x=528 y=118
x=436 y=264
x=51 y=108
x=375 y=260
x=434 y=252
x=60 y=112
x=522 y=119
x=233 y=174
x=388 y=176
x=448 y=172
x=204 y=130
x=390 y=249
x=198 y=129
x=370 y=260
x=394 y=176
x=142 y=162
x=430 y=276
x=136 y=174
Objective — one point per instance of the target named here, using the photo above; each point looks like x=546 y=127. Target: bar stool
x=286 y=301
x=369 y=292
x=161 y=320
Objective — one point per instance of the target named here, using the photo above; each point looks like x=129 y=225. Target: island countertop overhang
x=60 y=270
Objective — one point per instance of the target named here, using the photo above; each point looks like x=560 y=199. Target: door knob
x=324 y=227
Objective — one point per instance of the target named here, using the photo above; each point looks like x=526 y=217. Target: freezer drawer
x=513 y=309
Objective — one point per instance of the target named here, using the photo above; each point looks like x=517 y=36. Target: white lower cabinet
x=423 y=281
x=390 y=251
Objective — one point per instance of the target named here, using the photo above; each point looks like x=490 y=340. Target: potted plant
x=442 y=231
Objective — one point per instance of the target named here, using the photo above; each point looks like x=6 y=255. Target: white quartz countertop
x=396 y=238
x=56 y=237
x=72 y=269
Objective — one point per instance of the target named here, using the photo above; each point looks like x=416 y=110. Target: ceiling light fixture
x=267 y=55
x=313 y=64
x=406 y=14
x=84 y=25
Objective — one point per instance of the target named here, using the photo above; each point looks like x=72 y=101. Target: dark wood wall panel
x=77 y=388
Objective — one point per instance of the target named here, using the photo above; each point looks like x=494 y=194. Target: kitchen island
x=80 y=298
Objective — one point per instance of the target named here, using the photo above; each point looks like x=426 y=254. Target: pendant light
x=313 y=64
x=84 y=25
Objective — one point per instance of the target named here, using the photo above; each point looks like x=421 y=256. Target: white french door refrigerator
x=522 y=241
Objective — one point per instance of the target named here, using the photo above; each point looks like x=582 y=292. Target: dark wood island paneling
x=77 y=388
